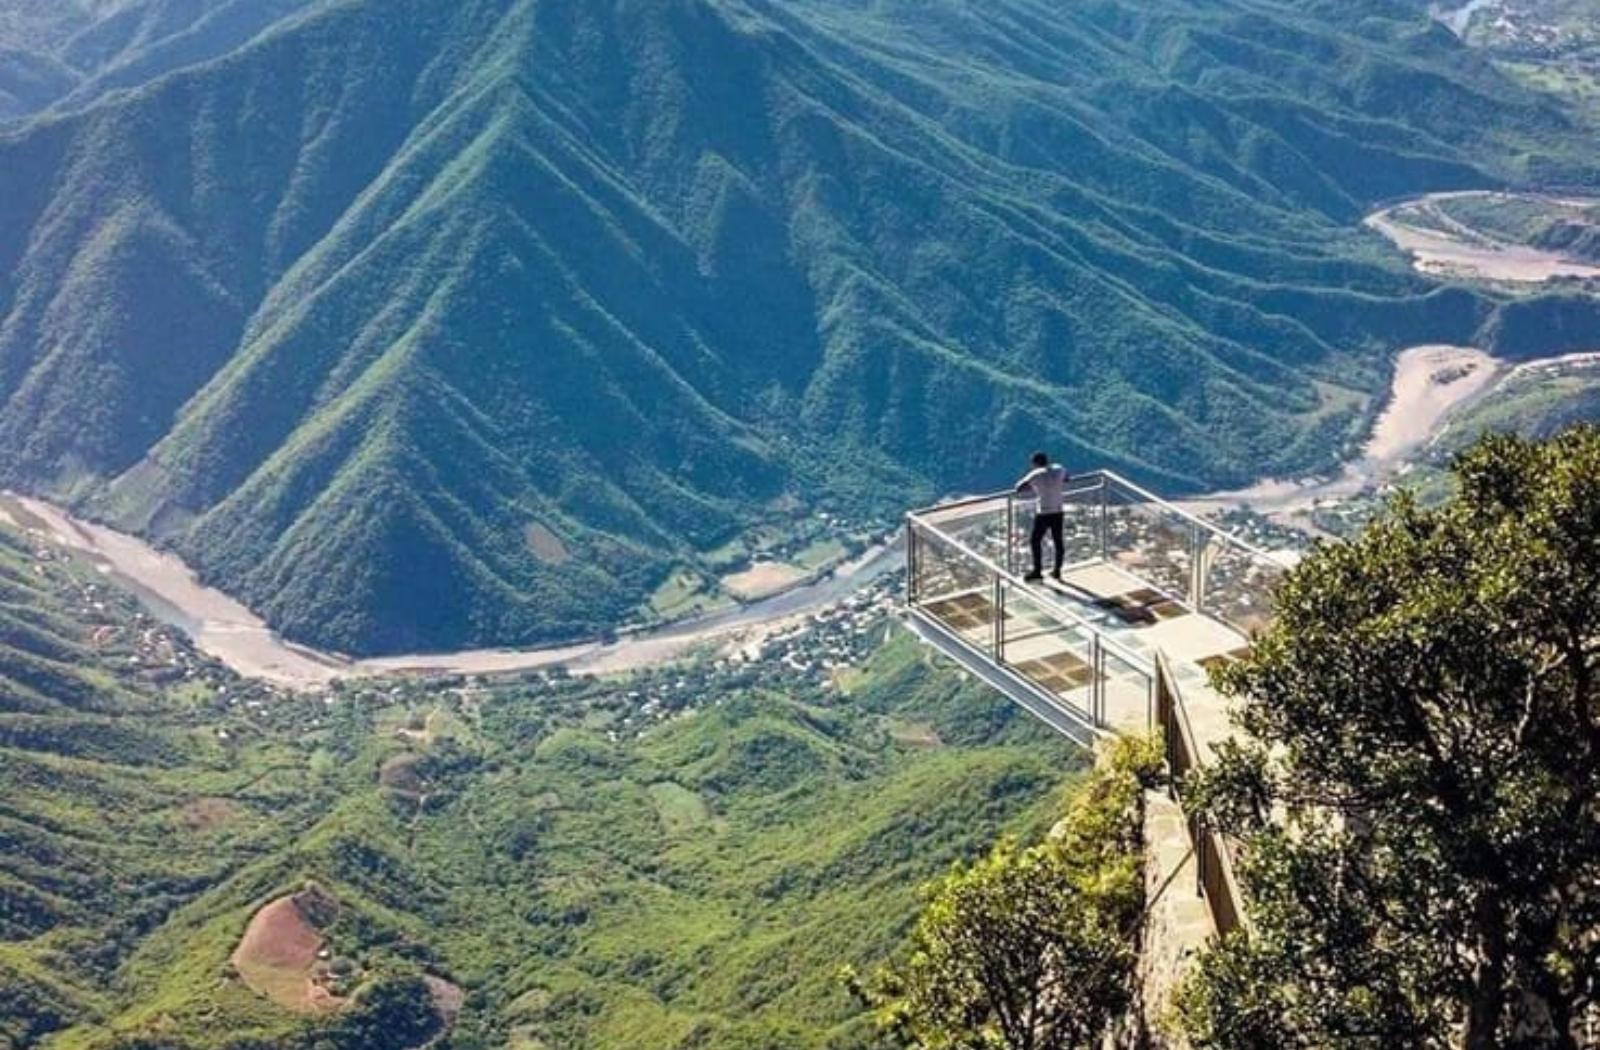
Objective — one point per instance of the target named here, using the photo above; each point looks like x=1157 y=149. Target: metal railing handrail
x=1111 y=476
x=1164 y=667
x=1193 y=519
x=1004 y=494
x=1215 y=874
x=963 y=501
x=1199 y=828
x=1121 y=651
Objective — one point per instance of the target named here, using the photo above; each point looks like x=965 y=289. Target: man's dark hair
x=1040 y=459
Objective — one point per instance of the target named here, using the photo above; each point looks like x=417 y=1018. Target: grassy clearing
x=683 y=593
x=912 y=734
x=821 y=553
x=733 y=552
x=680 y=809
x=1578 y=85
x=1334 y=400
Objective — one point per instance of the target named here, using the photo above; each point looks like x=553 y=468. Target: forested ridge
x=347 y=312
x=657 y=859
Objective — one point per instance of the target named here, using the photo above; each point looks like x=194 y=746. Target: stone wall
x=1178 y=921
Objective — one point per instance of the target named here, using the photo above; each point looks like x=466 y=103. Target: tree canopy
x=1032 y=948
x=1416 y=788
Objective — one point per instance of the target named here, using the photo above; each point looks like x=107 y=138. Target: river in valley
x=1443 y=245
x=1429 y=383
x=225 y=629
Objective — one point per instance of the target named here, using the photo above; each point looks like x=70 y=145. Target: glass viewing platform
x=1149 y=600
x=1141 y=578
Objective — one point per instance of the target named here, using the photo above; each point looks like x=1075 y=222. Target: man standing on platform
x=1047 y=482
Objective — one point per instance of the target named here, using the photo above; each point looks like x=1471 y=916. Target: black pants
x=1043 y=523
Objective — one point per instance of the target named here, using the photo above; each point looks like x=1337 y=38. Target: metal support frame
x=1074 y=724
x=911 y=560
x=1105 y=519
x=998 y=631
x=1196 y=584
x=1097 y=690
x=1011 y=533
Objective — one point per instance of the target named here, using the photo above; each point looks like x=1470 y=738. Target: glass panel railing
x=949 y=585
x=1127 y=693
x=1082 y=646
x=984 y=525
x=1190 y=559
x=1093 y=651
x=1150 y=541
x=1052 y=652
x=1237 y=585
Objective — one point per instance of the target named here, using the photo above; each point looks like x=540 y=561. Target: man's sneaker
x=1056 y=575
x=1033 y=577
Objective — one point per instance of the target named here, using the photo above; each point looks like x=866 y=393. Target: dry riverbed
x=1429 y=383
x=1445 y=247
x=225 y=629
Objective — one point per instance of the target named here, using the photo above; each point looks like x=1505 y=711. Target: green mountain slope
x=660 y=860
x=345 y=314
x=65 y=54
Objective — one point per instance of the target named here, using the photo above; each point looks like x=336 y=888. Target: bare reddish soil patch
x=400 y=774
x=447 y=999
x=207 y=814
x=546 y=545
x=277 y=956
x=762 y=579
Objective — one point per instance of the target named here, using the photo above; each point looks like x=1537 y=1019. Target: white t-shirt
x=1049 y=485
